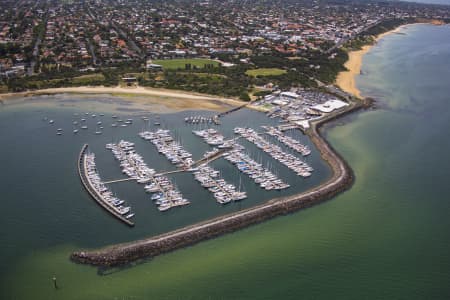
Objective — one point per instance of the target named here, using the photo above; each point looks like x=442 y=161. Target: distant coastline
x=346 y=80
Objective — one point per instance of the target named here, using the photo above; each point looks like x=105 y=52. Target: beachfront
x=346 y=80
x=173 y=100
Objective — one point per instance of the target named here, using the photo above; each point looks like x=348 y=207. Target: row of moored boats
x=165 y=193
x=208 y=177
x=214 y=138
x=289 y=160
x=223 y=192
x=287 y=140
x=166 y=145
x=202 y=120
x=105 y=195
x=261 y=175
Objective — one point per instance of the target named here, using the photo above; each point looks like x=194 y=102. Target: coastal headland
x=342 y=179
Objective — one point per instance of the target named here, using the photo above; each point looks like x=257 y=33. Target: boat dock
x=82 y=172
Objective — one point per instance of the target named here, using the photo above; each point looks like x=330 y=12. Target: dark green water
x=386 y=238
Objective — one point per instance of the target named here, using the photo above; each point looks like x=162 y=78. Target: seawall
x=341 y=180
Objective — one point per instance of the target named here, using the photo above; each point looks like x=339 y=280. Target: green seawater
x=388 y=237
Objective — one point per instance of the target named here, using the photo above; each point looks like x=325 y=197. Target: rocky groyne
x=341 y=180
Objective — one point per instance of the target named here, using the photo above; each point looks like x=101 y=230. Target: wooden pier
x=94 y=194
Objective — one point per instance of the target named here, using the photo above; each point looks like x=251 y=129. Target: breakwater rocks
x=126 y=253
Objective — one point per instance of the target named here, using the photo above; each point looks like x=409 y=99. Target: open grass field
x=265 y=72
x=173 y=64
x=86 y=79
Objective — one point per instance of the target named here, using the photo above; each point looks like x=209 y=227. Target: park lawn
x=265 y=72
x=86 y=79
x=215 y=76
x=174 y=64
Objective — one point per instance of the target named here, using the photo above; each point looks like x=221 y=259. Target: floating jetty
x=97 y=195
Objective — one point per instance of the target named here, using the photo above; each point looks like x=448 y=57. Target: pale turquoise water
x=386 y=238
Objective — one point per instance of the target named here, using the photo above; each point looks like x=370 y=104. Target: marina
x=227 y=167
x=77 y=206
x=341 y=180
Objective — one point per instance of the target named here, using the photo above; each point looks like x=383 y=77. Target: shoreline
x=172 y=99
x=341 y=179
x=346 y=80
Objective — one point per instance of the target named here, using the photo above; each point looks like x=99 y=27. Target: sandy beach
x=171 y=99
x=347 y=80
